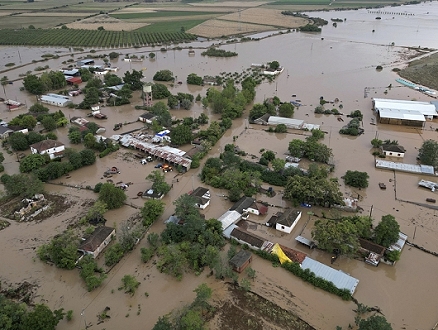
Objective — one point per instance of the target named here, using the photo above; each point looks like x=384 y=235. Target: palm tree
x=4 y=82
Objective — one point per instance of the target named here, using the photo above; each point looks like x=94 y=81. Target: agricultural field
x=44 y=22
x=162 y=14
x=105 y=21
x=88 y=38
x=171 y=26
x=36 y=5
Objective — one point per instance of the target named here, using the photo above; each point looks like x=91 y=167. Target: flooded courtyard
x=339 y=63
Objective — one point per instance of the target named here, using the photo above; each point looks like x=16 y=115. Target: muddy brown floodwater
x=340 y=66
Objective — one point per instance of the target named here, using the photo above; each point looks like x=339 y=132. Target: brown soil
x=216 y=28
x=423 y=71
x=249 y=311
x=58 y=204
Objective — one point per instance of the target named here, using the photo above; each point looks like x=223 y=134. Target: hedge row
x=306 y=275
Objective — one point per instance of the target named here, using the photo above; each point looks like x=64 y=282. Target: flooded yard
x=341 y=66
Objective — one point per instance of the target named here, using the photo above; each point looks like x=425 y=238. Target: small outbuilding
x=147 y=117
x=393 y=150
x=98 y=240
x=241 y=260
x=55 y=99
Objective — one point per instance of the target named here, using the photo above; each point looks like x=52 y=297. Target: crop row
x=88 y=38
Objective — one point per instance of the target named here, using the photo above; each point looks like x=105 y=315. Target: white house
x=54 y=149
x=98 y=240
x=393 y=150
x=285 y=221
x=55 y=99
x=202 y=196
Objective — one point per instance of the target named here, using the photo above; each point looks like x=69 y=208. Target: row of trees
x=46 y=82
x=311 y=148
x=343 y=234
x=20 y=141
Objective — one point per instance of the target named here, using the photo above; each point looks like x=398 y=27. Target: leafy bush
x=113 y=254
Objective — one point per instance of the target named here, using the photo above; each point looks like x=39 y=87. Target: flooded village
x=334 y=69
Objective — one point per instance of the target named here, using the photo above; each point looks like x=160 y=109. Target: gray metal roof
x=340 y=279
x=411 y=168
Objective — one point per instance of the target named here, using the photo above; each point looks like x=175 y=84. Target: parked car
x=306 y=205
x=167 y=168
x=159 y=165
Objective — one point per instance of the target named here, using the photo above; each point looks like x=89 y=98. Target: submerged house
x=97 y=241
x=285 y=221
x=393 y=150
x=249 y=205
x=54 y=149
x=202 y=196
x=240 y=261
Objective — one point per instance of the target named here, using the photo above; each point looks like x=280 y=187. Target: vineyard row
x=89 y=38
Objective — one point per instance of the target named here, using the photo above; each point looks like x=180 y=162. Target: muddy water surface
x=332 y=68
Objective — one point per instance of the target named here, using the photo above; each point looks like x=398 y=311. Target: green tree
x=376 y=143
x=160 y=91
x=113 y=254
x=38 y=108
x=192 y=320
x=49 y=123
x=278 y=164
x=181 y=134
x=112 y=196
x=133 y=80
x=91 y=98
x=130 y=284
x=317 y=134
x=428 y=153
x=281 y=128
x=23 y=185
x=163 y=75
x=88 y=269
x=18 y=141
x=375 y=322
x=28 y=122
x=269 y=155
x=172 y=102
x=356 y=179
x=113 y=55
x=185 y=206
x=75 y=136
x=159 y=183
x=274 y=65
x=387 y=231
x=194 y=79
x=203 y=294
x=32 y=162
x=62 y=250
x=340 y=235
x=89 y=141
x=42 y=318
x=296 y=148
x=163 y=323
x=313 y=190
x=111 y=79
x=96 y=211
x=151 y=211
x=2 y=158
x=88 y=157
x=85 y=74
x=286 y=110
x=33 y=84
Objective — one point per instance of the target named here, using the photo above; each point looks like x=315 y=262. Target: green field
x=164 y=14
x=335 y=4
x=24 y=6
x=89 y=38
x=170 y=26
x=19 y=22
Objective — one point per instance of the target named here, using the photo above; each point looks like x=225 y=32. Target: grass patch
x=164 y=14
x=171 y=26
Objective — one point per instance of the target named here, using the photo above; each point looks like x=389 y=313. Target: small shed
x=241 y=260
x=393 y=150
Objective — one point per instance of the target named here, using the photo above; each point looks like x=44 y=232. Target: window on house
x=282 y=227
x=399 y=155
x=390 y=153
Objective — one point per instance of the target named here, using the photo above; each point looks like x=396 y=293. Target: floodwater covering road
x=340 y=66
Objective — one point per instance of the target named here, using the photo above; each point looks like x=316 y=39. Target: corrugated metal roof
x=340 y=279
x=169 y=154
x=425 y=108
x=402 y=238
x=400 y=114
x=412 y=168
x=289 y=122
x=229 y=218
